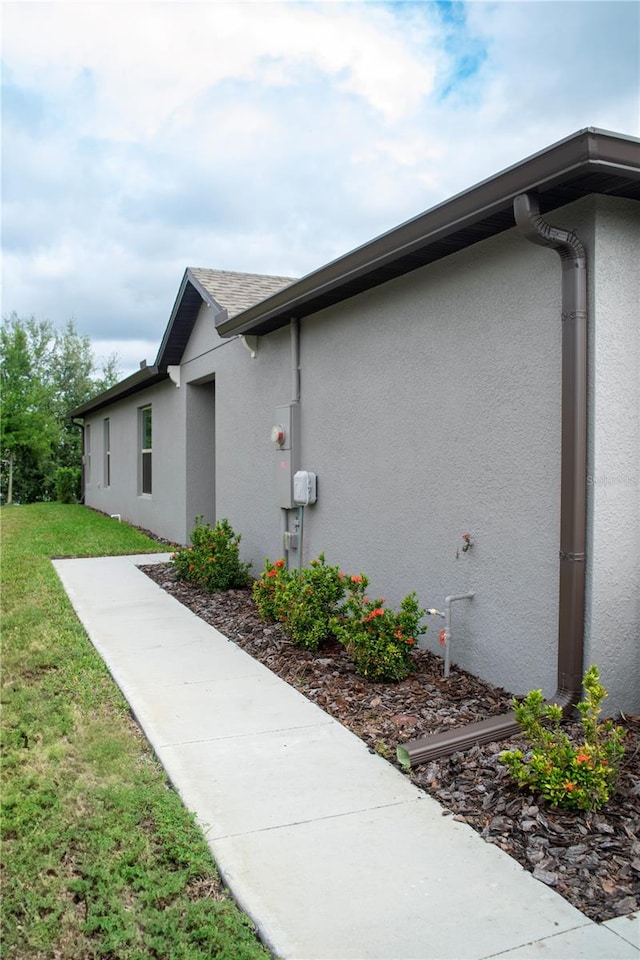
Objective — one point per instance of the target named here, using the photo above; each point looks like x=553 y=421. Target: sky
x=142 y=138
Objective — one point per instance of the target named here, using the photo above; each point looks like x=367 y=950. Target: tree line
x=44 y=373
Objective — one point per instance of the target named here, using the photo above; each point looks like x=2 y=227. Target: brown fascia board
x=140 y=380
x=604 y=162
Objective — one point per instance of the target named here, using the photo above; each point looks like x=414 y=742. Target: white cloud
x=147 y=62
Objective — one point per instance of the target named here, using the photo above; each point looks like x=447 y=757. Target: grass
x=100 y=859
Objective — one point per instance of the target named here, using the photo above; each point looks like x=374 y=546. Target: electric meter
x=278 y=435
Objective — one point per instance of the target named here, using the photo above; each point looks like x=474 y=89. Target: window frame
x=86 y=459
x=146 y=452
x=106 y=436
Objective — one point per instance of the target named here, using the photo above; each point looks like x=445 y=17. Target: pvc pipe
x=300 y=525
x=284 y=527
x=447 y=626
x=295 y=361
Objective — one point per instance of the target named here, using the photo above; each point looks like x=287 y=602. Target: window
x=87 y=453
x=145 y=450
x=107 y=451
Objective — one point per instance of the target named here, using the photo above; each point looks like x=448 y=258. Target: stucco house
x=475 y=370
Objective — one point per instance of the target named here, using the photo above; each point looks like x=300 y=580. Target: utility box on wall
x=286 y=437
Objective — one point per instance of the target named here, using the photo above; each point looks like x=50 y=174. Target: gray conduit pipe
x=573 y=509
x=294 y=330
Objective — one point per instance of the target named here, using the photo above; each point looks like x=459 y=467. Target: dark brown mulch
x=591 y=860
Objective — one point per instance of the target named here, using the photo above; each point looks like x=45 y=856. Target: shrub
x=379 y=640
x=306 y=600
x=267 y=587
x=578 y=777
x=67 y=484
x=213 y=561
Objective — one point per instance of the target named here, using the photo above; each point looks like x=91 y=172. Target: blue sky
x=142 y=138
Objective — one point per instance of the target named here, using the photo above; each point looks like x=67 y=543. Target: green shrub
x=581 y=777
x=67 y=484
x=303 y=601
x=306 y=600
x=213 y=561
x=379 y=640
x=266 y=589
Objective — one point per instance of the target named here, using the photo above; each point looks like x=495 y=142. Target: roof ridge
x=239 y=273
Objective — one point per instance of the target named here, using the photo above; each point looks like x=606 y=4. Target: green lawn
x=99 y=857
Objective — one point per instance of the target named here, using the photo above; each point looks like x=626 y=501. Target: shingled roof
x=228 y=293
x=236 y=292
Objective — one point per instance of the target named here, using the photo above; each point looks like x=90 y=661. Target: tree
x=28 y=427
x=44 y=373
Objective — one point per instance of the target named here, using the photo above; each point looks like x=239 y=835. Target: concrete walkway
x=333 y=853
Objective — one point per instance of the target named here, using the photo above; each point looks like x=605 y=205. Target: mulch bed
x=593 y=861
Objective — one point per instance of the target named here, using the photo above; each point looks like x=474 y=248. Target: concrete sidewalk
x=333 y=853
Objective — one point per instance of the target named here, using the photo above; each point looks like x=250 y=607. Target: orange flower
x=191 y=566
x=569 y=786
x=410 y=641
x=356 y=579
x=272 y=573
x=212 y=559
x=583 y=758
x=442 y=637
x=279 y=564
x=378 y=612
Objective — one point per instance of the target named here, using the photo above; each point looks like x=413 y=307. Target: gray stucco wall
x=430 y=408
x=163 y=511
x=613 y=481
x=451 y=427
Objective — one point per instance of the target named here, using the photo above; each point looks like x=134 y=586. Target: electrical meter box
x=285 y=436
x=304 y=488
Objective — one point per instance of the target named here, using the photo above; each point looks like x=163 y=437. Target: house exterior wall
x=452 y=427
x=613 y=482
x=430 y=407
x=163 y=511
x=247 y=392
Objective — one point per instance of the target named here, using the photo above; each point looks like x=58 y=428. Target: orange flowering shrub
x=268 y=587
x=579 y=777
x=303 y=601
x=379 y=640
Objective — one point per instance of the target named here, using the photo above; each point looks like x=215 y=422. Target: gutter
x=145 y=377
x=573 y=501
x=589 y=161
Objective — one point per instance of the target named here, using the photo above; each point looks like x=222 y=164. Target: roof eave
x=140 y=380
x=182 y=320
x=592 y=150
